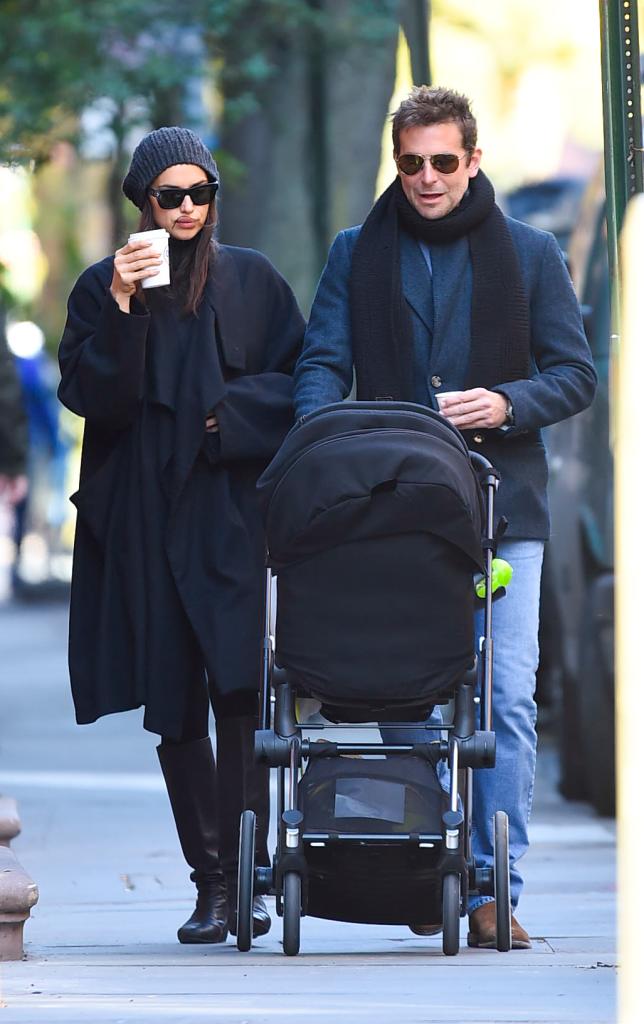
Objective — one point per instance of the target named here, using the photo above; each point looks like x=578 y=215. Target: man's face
x=434 y=194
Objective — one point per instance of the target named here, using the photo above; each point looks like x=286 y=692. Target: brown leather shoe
x=426 y=929
x=482 y=933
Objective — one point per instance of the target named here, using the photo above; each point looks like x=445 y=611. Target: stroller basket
x=347 y=798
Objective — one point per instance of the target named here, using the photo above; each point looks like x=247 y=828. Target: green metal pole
x=622 y=121
x=415 y=17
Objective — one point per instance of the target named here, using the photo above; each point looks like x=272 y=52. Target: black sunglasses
x=444 y=163
x=172 y=198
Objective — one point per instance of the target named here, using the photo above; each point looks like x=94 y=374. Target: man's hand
x=469 y=410
x=135 y=261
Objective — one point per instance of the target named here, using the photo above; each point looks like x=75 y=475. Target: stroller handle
x=479 y=460
x=484 y=468
x=489 y=479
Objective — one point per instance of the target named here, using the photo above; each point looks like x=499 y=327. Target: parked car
x=577 y=596
x=575 y=683
x=551 y=204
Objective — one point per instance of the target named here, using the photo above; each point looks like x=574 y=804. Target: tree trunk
x=415 y=16
x=310 y=154
x=359 y=81
x=266 y=194
x=115 y=180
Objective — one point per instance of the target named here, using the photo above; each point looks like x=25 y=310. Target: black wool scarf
x=380 y=320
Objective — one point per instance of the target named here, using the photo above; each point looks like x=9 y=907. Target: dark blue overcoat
x=562 y=380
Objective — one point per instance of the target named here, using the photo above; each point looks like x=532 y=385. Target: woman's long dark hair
x=189 y=263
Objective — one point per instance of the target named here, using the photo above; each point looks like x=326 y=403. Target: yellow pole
x=628 y=413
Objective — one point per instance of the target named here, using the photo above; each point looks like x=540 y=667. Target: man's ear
x=474 y=163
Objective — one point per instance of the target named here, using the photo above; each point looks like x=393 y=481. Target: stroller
x=377 y=518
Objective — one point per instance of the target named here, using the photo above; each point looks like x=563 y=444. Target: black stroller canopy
x=359 y=470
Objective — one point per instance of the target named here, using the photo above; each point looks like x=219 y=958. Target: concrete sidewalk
x=98 y=839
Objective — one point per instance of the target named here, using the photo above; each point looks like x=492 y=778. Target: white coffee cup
x=441 y=396
x=160 y=242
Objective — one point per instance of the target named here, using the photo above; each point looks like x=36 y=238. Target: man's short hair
x=427 y=105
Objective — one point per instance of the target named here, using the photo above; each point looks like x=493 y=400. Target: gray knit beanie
x=163 y=148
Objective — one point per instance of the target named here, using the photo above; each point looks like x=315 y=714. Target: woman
x=186 y=393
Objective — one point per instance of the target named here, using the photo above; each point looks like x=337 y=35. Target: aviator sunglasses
x=444 y=163
x=172 y=198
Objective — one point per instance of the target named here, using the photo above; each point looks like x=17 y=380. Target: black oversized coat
x=169 y=549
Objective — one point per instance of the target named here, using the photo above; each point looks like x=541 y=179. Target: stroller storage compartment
x=372 y=830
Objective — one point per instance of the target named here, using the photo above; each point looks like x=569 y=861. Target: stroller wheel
x=292 y=913
x=245 y=881
x=451 y=914
x=502 y=882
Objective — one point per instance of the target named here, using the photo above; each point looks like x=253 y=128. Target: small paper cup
x=160 y=242
x=442 y=396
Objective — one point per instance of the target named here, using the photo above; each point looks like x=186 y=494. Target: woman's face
x=186 y=220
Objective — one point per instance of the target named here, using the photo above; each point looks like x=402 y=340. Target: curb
x=18 y=893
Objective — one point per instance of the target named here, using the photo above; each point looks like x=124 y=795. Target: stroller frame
x=282 y=746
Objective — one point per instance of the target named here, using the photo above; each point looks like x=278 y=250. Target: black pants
x=195 y=724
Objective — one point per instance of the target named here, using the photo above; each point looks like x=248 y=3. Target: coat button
x=478 y=438
x=436 y=381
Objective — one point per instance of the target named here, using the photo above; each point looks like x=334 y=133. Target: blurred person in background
x=42 y=511
x=438 y=292
x=14 y=439
x=186 y=392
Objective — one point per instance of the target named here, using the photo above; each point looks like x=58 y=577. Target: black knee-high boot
x=191 y=780
x=243 y=784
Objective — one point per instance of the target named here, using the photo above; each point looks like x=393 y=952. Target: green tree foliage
x=59 y=56
x=301 y=85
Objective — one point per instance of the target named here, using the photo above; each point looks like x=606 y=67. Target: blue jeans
x=509 y=786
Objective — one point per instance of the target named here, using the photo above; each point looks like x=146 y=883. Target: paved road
x=98 y=839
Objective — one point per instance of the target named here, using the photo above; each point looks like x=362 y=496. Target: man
x=440 y=292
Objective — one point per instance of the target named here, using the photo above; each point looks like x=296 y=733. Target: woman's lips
x=185 y=223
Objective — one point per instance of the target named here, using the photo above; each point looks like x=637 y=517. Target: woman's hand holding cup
x=133 y=263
